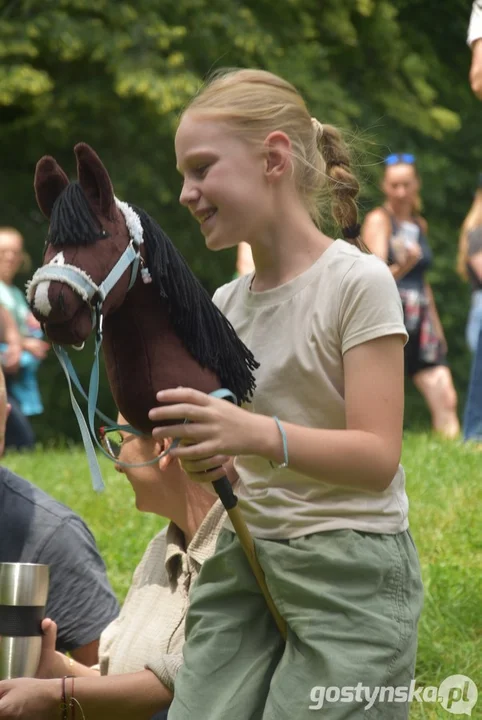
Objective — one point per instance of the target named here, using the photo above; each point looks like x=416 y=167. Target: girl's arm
x=376 y=232
x=13 y=340
x=117 y=697
x=365 y=455
x=244 y=261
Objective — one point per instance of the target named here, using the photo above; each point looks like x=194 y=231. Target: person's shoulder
x=227 y=292
x=24 y=492
x=18 y=293
x=378 y=213
x=422 y=223
x=155 y=552
x=151 y=567
x=351 y=262
x=158 y=544
x=5 y=290
x=353 y=269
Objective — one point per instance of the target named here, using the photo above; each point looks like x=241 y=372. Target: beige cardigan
x=149 y=632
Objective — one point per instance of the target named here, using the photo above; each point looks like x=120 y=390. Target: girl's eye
x=201 y=171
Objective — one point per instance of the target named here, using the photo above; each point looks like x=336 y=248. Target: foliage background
x=393 y=73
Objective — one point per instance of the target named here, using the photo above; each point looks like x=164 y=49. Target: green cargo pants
x=351 y=601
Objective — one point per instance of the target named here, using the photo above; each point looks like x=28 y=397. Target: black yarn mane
x=72 y=221
x=205 y=332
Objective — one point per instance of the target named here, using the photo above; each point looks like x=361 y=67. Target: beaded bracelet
x=284 y=464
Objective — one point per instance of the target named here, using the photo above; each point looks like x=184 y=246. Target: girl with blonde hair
x=317 y=451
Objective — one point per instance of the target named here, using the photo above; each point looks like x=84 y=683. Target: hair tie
x=351 y=232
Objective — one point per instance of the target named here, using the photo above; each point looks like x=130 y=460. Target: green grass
x=121 y=531
x=444 y=481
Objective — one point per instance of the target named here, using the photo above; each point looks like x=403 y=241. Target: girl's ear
x=278 y=155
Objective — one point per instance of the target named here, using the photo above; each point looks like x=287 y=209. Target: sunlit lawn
x=445 y=488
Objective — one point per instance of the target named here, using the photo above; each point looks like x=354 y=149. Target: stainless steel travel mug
x=23 y=596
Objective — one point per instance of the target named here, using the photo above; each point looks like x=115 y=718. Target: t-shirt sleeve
x=81 y=600
x=223 y=297
x=218 y=297
x=475 y=26
x=370 y=305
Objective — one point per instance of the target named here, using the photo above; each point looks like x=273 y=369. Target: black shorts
x=414 y=362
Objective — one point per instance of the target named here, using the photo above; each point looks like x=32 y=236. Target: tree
x=117 y=75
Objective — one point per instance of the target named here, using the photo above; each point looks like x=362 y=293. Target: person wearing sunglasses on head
x=141 y=651
x=397 y=233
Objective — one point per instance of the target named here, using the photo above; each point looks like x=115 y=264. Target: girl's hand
x=38 y=348
x=52 y=663
x=413 y=254
x=30 y=699
x=215 y=429
x=206 y=470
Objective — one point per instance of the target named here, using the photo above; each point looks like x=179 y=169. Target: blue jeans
x=473 y=404
x=474 y=322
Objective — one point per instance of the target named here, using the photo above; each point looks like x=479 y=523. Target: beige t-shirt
x=149 y=632
x=299 y=332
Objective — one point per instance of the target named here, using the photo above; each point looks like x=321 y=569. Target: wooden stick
x=247 y=544
x=230 y=502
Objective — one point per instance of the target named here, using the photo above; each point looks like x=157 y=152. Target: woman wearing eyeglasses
x=397 y=233
x=141 y=651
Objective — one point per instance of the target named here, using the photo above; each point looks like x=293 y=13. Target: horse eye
x=104 y=234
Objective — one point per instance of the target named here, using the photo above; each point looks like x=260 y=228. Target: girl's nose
x=189 y=194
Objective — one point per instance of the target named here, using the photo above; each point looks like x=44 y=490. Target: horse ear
x=49 y=182
x=94 y=179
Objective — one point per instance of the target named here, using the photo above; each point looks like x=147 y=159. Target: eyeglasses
x=400 y=158
x=111 y=441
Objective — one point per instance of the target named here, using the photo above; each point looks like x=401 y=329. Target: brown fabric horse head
x=160 y=327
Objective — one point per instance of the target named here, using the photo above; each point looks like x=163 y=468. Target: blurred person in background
x=35 y=528
x=474 y=41
x=469 y=264
x=244 y=260
x=19 y=433
x=397 y=233
x=141 y=651
x=22 y=385
x=469 y=267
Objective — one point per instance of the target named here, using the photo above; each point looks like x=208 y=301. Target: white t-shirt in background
x=298 y=332
x=475 y=26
